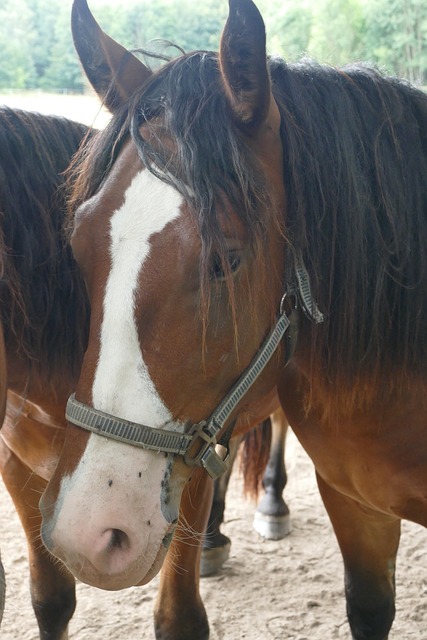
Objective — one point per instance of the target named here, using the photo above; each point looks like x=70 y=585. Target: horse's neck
x=32 y=382
x=34 y=432
x=34 y=425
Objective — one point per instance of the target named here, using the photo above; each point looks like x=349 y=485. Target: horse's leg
x=52 y=586
x=3 y=398
x=179 y=612
x=272 y=520
x=2 y=590
x=216 y=546
x=369 y=542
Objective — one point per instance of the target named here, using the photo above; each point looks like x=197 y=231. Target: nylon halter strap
x=199 y=444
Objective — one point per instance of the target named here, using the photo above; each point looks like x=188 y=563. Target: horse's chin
x=115 y=582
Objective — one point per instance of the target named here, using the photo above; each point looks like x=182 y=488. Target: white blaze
x=122 y=385
x=117 y=486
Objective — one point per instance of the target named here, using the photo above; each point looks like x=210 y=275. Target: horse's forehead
x=132 y=203
x=149 y=204
x=110 y=195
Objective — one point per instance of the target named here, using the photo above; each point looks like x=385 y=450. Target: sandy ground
x=291 y=589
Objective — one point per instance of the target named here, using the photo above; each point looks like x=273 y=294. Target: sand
x=290 y=589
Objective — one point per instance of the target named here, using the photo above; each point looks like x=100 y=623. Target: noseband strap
x=199 y=444
x=134 y=433
x=169 y=441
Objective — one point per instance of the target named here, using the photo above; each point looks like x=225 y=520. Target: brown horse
x=44 y=317
x=272 y=518
x=245 y=228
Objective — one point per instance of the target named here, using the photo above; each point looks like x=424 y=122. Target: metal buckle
x=197 y=432
x=290 y=300
x=213 y=463
x=207 y=456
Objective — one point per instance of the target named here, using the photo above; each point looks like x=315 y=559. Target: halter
x=199 y=445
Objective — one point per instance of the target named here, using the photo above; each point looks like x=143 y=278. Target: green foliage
x=288 y=28
x=37 y=51
x=184 y=23
x=336 y=35
x=16 y=43
x=62 y=71
x=396 y=36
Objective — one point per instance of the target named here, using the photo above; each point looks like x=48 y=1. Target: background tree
x=396 y=36
x=17 y=66
x=62 y=71
x=289 y=26
x=37 y=51
x=337 y=31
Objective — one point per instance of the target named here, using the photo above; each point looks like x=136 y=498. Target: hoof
x=272 y=527
x=212 y=559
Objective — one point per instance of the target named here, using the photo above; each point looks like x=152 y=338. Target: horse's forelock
x=213 y=167
x=204 y=156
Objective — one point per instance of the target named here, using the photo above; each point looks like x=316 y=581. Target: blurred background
x=37 y=52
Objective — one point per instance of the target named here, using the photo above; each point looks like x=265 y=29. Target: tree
x=396 y=36
x=37 y=50
x=63 y=72
x=186 y=24
x=45 y=17
x=16 y=44
x=337 y=31
x=288 y=28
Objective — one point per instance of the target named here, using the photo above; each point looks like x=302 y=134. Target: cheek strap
x=200 y=445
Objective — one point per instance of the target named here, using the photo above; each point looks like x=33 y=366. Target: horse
x=45 y=319
x=252 y=234
x=272 y=518
x=44 y=322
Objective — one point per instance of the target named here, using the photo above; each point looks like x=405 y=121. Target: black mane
x=356 y=179
x=355 y=171
x=43 y=303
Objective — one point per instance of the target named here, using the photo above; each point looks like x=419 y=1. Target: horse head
x=178 y=233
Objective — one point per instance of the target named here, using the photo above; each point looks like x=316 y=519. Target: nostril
x=119 y=540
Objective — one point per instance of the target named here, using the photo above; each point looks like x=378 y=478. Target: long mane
x=356 y=179
x=44 y=309
x=355 y=171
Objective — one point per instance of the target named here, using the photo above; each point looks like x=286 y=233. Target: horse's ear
x=114 y=72
x=243 y=62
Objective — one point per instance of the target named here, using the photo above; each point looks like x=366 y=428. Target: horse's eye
x=221 y=268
